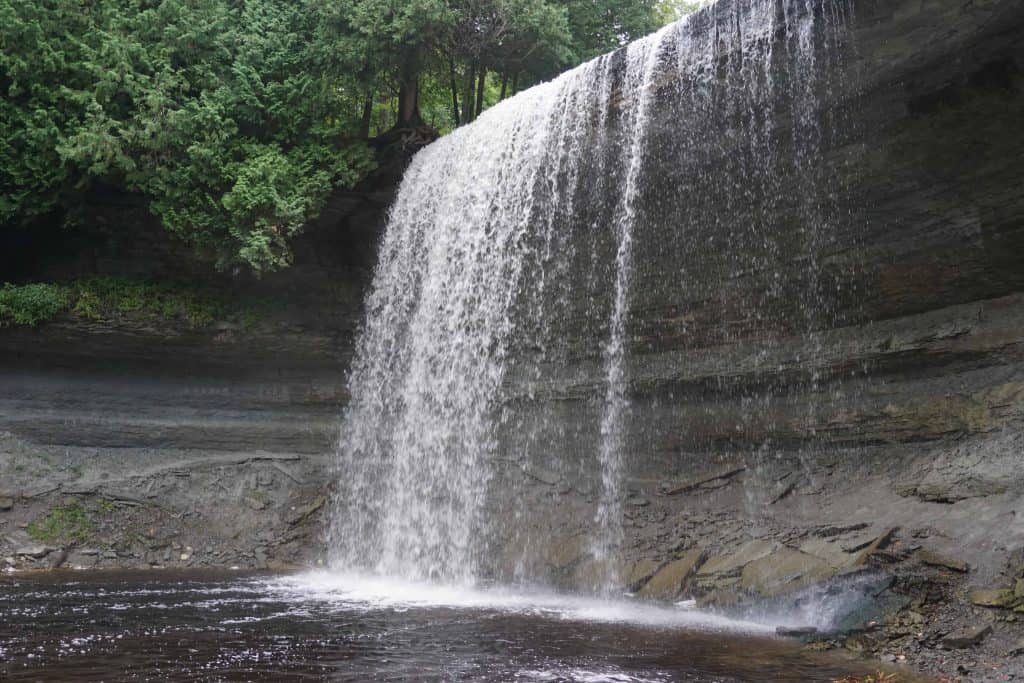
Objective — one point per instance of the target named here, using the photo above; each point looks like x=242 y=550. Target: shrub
x=106 y=298
x=31 y=304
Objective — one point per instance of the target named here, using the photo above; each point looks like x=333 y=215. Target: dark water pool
x=163 y=625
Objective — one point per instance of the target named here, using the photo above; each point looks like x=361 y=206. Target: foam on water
x=360 y=591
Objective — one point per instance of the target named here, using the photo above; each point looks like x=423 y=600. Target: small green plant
x=68 y=523
x=31 y=304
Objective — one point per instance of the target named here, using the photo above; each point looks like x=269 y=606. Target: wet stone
x=936 y=560
x=967 y=637
x=992 y=597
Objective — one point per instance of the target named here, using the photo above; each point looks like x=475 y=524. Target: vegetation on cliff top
x=236 y=120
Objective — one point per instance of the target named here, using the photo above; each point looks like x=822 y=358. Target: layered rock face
x=174 y=445
x=826 y=335
x=825 y=353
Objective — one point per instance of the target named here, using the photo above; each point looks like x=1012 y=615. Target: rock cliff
x=876 y=435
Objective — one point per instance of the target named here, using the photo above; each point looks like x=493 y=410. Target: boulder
x=592 y=574
x=966 y=637
x=303 y=512
x=992 y=597
x=935 y=560
x=670 y=580
x=57 y=559
x=783 y=570
x=831 y=551
x=876 y=545
x=732 y=563
x=563 y=551
x=640 y=572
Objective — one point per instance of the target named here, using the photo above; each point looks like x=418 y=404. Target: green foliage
x=106 y=298
x=667 y=11
x=110 y=298
x=216 y=111
x=237 y=120
x=31 y=304
x=68 y=523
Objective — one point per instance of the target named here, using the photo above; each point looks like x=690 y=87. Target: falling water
x=642 y=58
x=512 y=263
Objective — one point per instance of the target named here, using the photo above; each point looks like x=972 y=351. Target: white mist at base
x=350 y=591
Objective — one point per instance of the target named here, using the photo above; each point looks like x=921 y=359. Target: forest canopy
x=235 y=119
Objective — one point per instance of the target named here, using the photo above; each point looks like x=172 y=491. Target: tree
x=600 y=26
x=207 y=108
x=234 y=120
x=503 y=36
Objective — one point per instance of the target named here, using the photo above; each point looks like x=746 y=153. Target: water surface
x=167 y=625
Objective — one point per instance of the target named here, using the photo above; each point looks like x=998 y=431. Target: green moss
x=63 y=524
x=31 y=304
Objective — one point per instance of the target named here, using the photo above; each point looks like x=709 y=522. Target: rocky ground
x=896 y=594
x=888 y=571
x=60 y=511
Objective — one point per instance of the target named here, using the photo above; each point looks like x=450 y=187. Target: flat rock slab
x=781 y=570
x=935 y=560
x=734 y=562
x=641 y=572
x=669 y=581
x=967 y=637
x=992 y=597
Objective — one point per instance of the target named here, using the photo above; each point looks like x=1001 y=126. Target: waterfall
x=642 y=57
x=511 y=263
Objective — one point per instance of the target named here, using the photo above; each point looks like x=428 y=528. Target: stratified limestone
x=671 y=579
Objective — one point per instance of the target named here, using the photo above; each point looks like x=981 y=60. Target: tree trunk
x=408 y=105
x=515 y=82
x=467 y=95
x=364 y=123
x=455 y=92
x=409 y=94
x=480 y=90
x=504 y=85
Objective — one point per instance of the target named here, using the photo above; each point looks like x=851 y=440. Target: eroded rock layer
x=770 y=444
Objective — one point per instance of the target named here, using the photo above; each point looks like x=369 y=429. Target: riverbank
x=893 y=594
